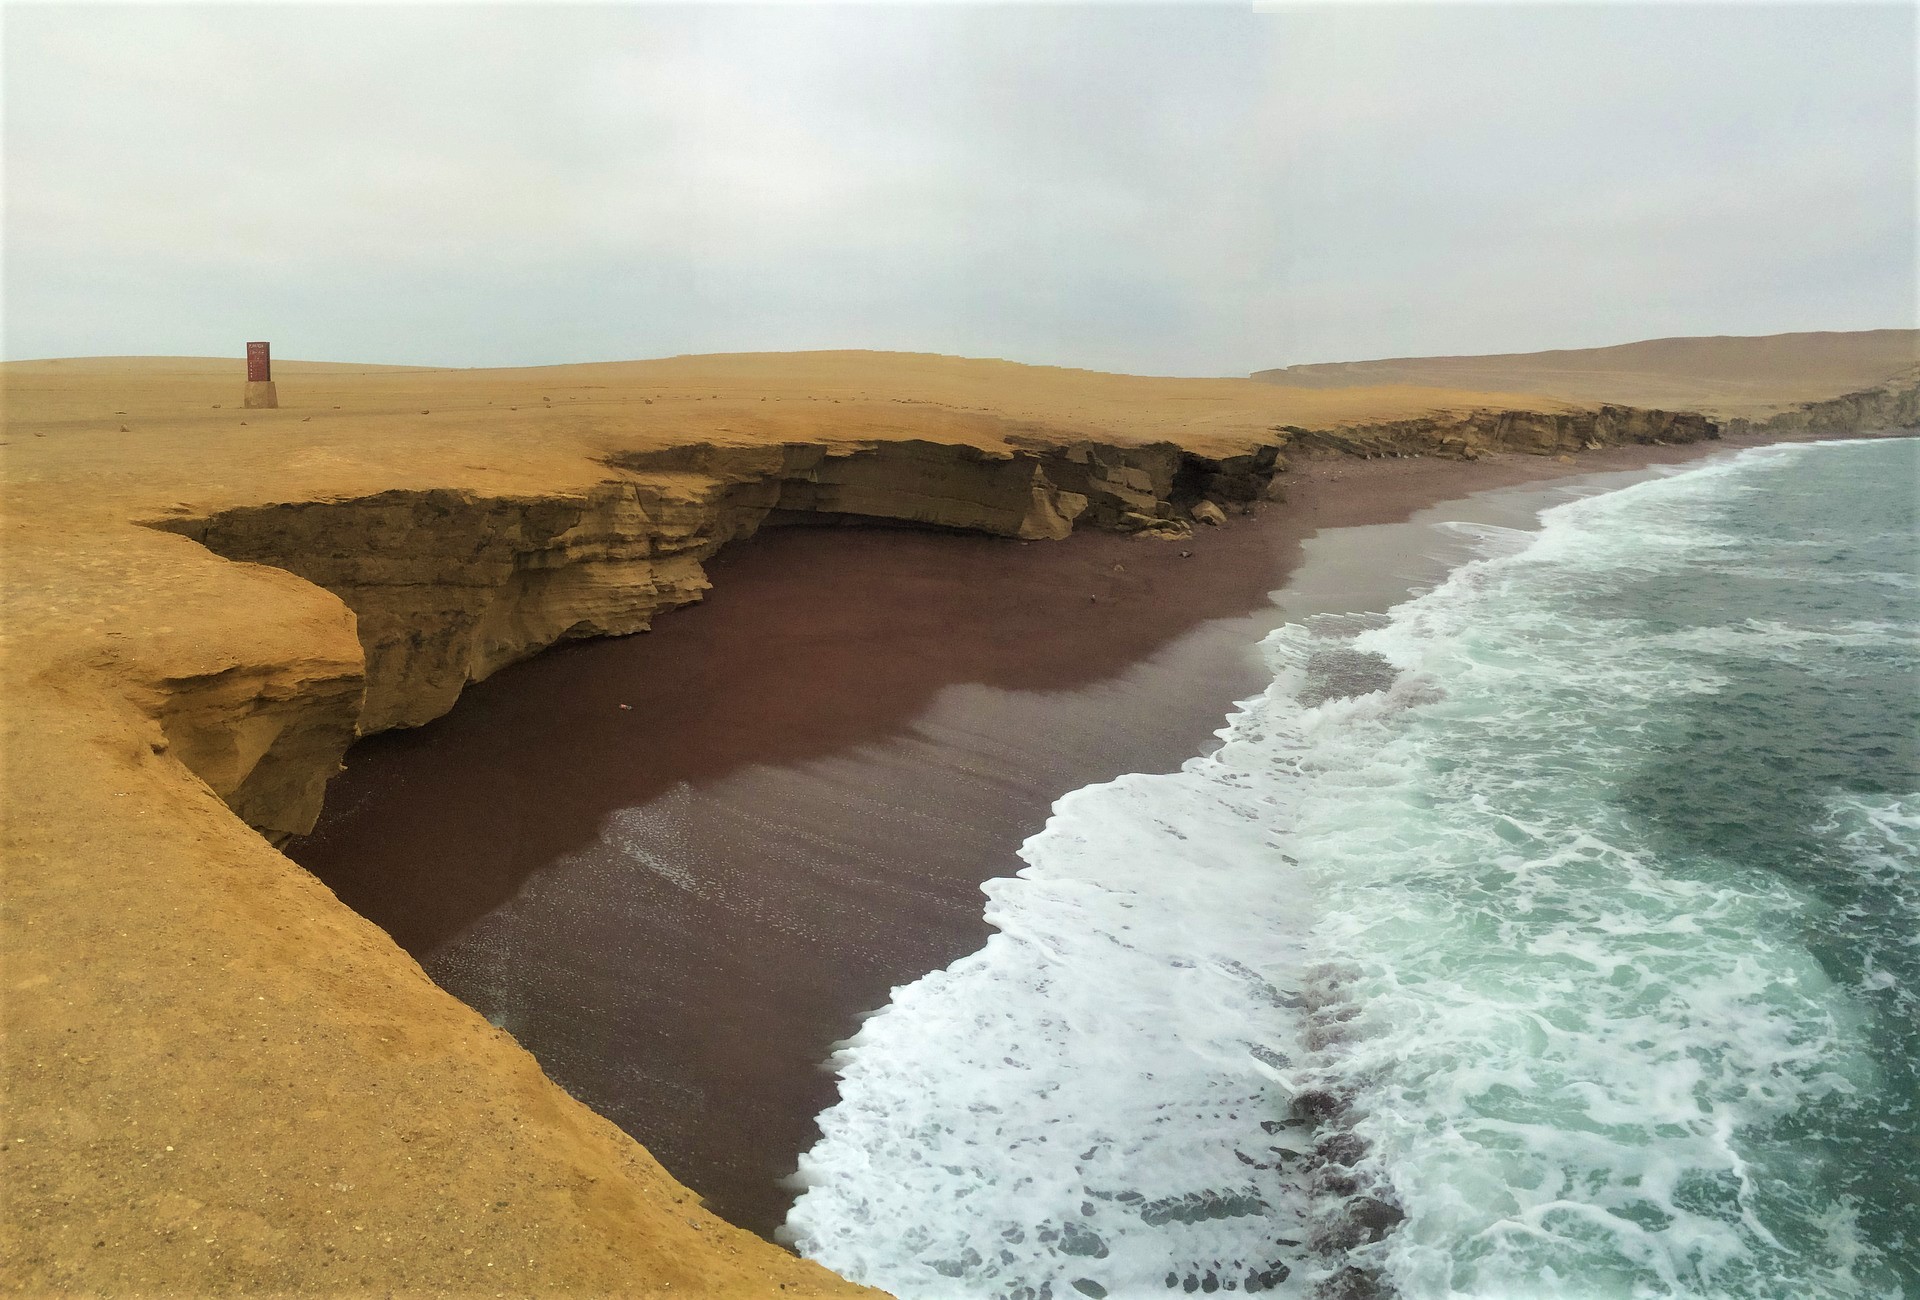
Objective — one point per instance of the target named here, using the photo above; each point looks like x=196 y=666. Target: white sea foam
x=1093 y=1098
x=1880 y=834
x=1417 y=894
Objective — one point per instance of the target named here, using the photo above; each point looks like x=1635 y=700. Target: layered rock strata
x=1543 y=433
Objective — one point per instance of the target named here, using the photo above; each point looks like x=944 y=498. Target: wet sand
x=680 y=905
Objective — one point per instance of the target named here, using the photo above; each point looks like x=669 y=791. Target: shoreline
x=886 y=715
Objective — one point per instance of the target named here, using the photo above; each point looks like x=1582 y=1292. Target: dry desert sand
x=220 y=1079
x=1727 y=377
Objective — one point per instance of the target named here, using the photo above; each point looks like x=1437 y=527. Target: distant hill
x=1721 y=375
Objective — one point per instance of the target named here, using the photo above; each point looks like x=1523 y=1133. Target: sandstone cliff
x=1539 y=433
x=1892 y=405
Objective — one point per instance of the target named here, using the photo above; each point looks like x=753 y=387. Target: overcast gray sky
x=1196 y=190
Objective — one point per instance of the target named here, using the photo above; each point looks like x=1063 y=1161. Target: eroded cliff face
x=447 y=587
x=1038 y=489
x=1472 y=433
x=1893 y=405
x=265 y=738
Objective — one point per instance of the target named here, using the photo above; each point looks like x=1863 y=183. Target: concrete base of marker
x=261 y=394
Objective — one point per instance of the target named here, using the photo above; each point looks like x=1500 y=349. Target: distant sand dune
x=1723 y=375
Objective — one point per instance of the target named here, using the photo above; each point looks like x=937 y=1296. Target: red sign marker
x=259 y=365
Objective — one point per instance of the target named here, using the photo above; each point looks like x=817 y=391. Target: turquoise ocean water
x=1555 y=934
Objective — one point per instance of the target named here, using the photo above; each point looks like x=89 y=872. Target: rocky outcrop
x=1233 y=479
x=1893 y=405
x=447 y=587
x=1469 y=434
x=1034 y=490
x=264 y=738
